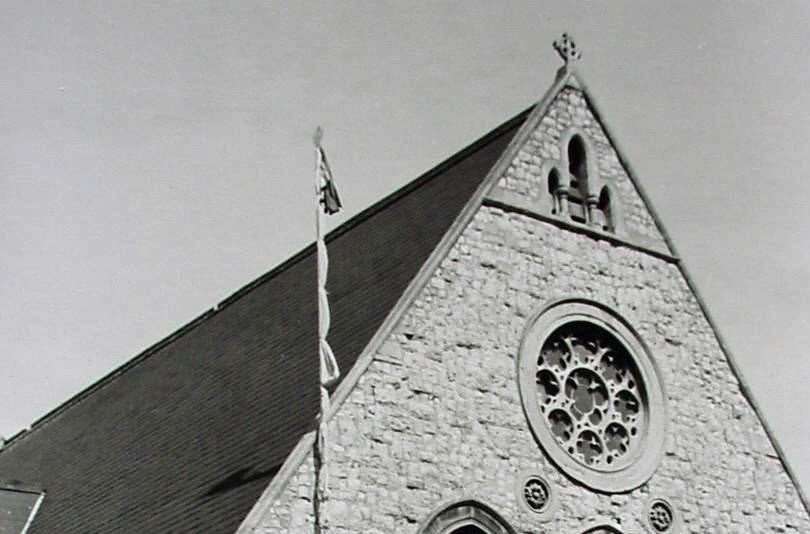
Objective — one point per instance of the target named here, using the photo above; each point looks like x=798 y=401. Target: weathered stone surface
x=437 y=416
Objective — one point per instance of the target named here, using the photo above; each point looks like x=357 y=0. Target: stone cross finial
x=567 y=49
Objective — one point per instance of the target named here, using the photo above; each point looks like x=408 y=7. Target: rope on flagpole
x=319 y=450
x=328 y=200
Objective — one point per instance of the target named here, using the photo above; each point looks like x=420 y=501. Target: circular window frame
x=675 y=525
x=552 y=505
x=651 y=447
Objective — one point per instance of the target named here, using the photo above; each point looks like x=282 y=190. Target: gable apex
x=569 y=77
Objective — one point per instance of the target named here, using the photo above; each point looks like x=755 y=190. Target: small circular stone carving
x=534 y=495
x=537 y=494
x=592 y=395
x=661 y=516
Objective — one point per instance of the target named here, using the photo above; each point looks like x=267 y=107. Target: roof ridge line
x=304 y=252
x=105 y=379
x=381 y=204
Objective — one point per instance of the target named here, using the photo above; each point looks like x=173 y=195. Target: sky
x=156 y=156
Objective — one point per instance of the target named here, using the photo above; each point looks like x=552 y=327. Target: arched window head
x=559 y=202
x=606 y=526
x=578 y=164
x=466 y=517
x=605 y=211
x=553 y=182
x=604 y=529
x=577 y=158
x=468 y=529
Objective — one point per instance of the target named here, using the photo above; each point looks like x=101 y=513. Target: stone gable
x=437 y=416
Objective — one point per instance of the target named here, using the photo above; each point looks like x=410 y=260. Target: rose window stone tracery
x=589 y=392
x=592 y=395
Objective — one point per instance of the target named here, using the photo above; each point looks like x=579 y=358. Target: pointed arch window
x=575 y=187
x=466 y=517
x=578 y=163
x=604 y=211
x=578 y=172
x=603 y=529
x=558 y=192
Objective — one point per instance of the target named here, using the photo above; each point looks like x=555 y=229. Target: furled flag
x=329 y=198
x=330 y=202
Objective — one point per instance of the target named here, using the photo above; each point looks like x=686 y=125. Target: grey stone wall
x=437 y=416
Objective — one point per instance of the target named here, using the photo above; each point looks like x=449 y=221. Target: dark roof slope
x=185 y=437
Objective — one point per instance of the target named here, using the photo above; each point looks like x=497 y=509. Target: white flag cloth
x=329 y=202
x=327 y=191
x=329 y=367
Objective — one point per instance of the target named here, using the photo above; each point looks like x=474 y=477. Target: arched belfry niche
x=557 y=182
x=608 y=214
x=578 y=158
x=576 y=190
x=466 y=517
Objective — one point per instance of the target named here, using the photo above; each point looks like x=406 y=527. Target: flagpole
x=326 y=198
x=320 y=245
x=319 y=462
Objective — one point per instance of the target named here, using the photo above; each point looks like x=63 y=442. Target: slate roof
x=186 y=436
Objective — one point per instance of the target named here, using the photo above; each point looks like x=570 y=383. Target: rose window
x=592 y=395
x=588 y=390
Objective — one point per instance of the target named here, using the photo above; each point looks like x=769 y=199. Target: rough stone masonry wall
x=437 y=416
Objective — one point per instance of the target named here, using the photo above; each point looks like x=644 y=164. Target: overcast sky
x=156 y=156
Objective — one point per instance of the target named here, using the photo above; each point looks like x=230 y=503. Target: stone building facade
x=437 y=429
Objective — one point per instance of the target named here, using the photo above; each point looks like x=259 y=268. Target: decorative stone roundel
x=661 y=516
x=536 y=494
x=592 y=395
